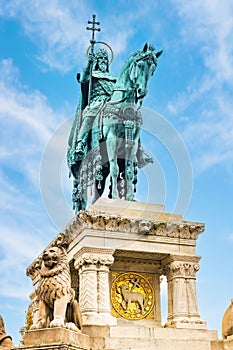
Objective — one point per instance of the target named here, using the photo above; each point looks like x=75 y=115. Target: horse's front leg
x=111 y=145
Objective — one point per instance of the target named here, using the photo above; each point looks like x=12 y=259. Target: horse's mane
x=126 y=66
x=135 y=57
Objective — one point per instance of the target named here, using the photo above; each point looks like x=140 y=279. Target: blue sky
x=43 y=45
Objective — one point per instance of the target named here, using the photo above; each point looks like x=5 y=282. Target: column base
x=98 y=319
x=186 y=323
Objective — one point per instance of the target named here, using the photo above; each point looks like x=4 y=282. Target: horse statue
x=114 y=146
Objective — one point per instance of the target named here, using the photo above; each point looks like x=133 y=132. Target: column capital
x=180 y=266
x=94 y=256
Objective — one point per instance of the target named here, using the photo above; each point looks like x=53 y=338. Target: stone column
x=156 y=282
x=182 y=297
x=94 y=292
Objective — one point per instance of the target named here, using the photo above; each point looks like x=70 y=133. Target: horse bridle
x=129 y=91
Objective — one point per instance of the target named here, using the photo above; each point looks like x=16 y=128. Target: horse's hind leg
x=114 y=169
x=129 y=171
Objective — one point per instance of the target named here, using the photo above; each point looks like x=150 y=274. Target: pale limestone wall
x=115 y=237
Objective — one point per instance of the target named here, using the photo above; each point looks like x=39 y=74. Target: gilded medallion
x=132 y=295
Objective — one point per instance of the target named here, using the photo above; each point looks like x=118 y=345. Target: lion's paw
x=41 y=323
x=71 y=326
x=34 y=326
x=58 y=321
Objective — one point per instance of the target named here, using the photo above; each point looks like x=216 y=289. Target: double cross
x=92 y=42
x=93 y=29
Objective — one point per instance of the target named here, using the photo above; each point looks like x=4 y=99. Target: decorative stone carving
x=132 y=295
x=182 y=298
x=62 y=240
x=118 y=223
x=227 y=321
x=5 y=340
x=88 y=258
x=93 y=267
x=57 y=304
x=176 y=230
x=98 y=220
x=181 y=269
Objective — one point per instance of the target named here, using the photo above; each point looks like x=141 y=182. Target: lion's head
x=54 y=261
x=51 y=257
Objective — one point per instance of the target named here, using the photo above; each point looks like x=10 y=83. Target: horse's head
x=142 y=67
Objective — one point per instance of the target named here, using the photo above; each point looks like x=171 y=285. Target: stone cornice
x=93 y=219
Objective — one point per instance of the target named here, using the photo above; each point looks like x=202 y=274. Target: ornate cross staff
x=92 y=42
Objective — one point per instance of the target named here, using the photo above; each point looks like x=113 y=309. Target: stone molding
x=183 y=229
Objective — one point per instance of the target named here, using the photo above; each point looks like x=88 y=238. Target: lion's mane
x=55 y=282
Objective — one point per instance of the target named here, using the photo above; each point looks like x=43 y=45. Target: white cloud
x=212 y=22
x=207 y=26
x=18 y=248
x=27 y=122
x=58 y=28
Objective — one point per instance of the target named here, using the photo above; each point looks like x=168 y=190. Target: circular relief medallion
x=132 y=296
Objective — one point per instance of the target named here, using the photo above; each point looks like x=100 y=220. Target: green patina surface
x=105 y=135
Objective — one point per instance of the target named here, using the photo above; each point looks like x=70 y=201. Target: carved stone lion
x=57 y=304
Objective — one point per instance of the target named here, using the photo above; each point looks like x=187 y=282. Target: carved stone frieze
x=118 y=223
x=176 y=230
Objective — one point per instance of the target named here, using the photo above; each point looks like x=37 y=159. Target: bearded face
x=102 y=64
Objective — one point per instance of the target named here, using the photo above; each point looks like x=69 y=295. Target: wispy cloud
x=207 y=26
x=18 y=248
x=27 y=122
x=58 y=28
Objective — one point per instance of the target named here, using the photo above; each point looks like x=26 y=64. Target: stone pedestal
x=118 y=251
x=55 y=338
